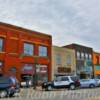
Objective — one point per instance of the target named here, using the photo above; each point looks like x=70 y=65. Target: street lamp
x=35 y=75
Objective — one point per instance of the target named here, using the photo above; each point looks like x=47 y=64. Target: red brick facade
x=12 y=53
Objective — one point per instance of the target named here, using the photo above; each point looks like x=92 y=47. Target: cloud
x=67 y=21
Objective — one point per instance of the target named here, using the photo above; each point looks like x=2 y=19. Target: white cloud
x=67 y=21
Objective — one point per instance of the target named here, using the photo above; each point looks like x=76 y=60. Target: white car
x=98 y=82
x=70 y=82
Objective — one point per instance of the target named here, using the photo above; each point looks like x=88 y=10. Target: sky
x=68 y=21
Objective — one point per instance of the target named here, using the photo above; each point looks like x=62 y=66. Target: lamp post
x=35 y=75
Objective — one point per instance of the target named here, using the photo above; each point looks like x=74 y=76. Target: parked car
x=98 y=82
x=89 y=83
x=8 y=86
x=25 y=84
x=70 y=82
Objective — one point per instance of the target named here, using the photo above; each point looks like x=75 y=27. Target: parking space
x=64 y=94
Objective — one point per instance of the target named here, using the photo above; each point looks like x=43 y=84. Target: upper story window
x=82 y=55
x=97 y=60
x=58 y=59
x=1 y=44
x=78 y=55
x=42 y=51
x=69 y=59
x=86 y=56
x=90 y=56
x=28 y=49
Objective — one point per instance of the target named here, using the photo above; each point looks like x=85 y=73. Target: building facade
x=63 y=61
x=96 y=63
x=25 y=53
x=84 y=56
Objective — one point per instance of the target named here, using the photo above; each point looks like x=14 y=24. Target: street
x=80 y=94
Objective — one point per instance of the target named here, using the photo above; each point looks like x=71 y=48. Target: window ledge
x=2 y=52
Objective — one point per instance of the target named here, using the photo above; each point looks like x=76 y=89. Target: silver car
x=88 y=83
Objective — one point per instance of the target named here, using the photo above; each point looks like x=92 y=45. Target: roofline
x=78 y=45
x=18 y=28
x=96 y=52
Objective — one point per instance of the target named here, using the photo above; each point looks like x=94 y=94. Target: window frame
x=2 y=49
x=58 y=59
x=43 y=52
x=32 y=53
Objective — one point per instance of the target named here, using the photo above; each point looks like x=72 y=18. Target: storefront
x=27 y=72
x=97 y=71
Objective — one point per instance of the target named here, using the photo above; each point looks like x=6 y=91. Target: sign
x=28 y=69
x=43 y=69
x=97 y=67
x=64 y=70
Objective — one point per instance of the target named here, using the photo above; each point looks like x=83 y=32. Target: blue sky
x=68 y=21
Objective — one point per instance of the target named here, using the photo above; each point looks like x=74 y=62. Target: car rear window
x=4 y=80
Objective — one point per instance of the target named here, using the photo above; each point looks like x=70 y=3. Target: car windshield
x=74 y=78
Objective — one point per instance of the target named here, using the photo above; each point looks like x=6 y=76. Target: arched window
x=97 y=60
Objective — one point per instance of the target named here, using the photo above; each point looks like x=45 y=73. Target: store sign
x=64 y=70
x=97 y=67
x=28 y=69
x=43 y=69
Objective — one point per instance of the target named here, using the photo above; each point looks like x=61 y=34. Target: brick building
x=96 y=63
x=84 y=56
x=24 y=53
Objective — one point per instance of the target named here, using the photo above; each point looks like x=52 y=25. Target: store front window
x=42 y=71
x=27 y=71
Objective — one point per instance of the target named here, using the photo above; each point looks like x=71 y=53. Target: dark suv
x=8 y=86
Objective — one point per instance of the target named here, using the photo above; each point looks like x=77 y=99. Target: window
x=42 y=51
x=42 y=72
x=86 y=56
x=97 y=60
x=90 y=56
x=1 y=44
x=28 y=49
x=64 y=79
x=69 y=59
x=78 y=55
x=58 y=59
x=82 y=55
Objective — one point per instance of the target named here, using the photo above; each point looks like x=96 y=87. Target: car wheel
x=3 y=93
x=92 y=86
x=49 y=88
x=72 y=87
x=11 y=95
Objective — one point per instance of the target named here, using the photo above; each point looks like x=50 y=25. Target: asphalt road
x=80 y=94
